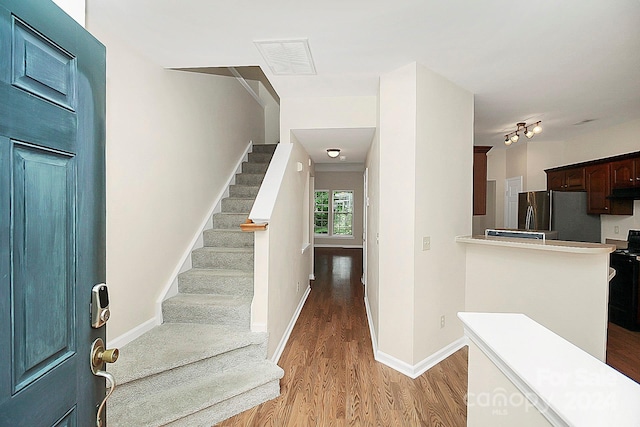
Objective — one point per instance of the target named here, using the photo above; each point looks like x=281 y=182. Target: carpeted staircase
x=203 y=364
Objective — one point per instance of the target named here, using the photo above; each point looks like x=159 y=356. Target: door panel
x=43 y=299
x=52 y=215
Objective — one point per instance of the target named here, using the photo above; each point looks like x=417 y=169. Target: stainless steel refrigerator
x=561 y=211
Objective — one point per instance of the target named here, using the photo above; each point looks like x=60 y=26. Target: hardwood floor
x=331 y=377
x=623 y=351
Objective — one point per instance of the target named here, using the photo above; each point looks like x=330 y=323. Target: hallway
x=331 y=377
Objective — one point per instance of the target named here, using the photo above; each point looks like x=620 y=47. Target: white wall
x=497 y=171
x=445 y=113
x=565 y=292
x=173 y=139
x=418 y=110
x=372 y=287
x=73 y=8
x=289 y=267
x=327 y=113
x=343 y=181
x=271 y=116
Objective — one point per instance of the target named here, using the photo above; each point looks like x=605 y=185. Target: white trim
x=171 y=287
x=412 y=371
x=321 y=245
x=439 y=356
x=132 y=334
x=268 y=192
x=305 y=247
x=258 y=327
x=312 y=276
x=372 y=332
x=245 y=85
x=283 y=342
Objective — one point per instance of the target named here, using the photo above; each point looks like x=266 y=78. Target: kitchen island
x=562 y=285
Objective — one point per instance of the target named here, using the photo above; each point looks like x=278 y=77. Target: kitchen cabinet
x=598 y=188
x=625 y=173
x=566 y=180
x=598 y=181
x=480 y=179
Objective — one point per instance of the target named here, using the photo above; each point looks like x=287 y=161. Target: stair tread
x=223 y=249
x=209 y=300
x=177 y=344
x=217 y=272
x=182 y=400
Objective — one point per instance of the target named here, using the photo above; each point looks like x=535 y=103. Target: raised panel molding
x=42 y=282
x=42 y=68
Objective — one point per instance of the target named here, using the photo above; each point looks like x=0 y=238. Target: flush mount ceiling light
x=528 y=130
x=333 y=152
x=287 y=57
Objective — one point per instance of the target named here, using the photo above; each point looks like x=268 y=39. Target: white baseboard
x=132 y=334
x=171 y=287
x=283 y=342
x=412 y=371
x=337 y=246
x=372 y=332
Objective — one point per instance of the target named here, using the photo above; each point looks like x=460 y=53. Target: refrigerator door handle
x=529 y=218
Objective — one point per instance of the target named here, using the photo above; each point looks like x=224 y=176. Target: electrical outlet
x=616 y=229
x=442 y=321
x=426 y=243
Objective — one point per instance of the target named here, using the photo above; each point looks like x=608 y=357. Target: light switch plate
x=426 y=243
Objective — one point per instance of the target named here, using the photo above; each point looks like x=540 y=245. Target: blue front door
x=52 y=214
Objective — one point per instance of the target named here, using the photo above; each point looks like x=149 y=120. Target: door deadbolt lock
x=99 y=305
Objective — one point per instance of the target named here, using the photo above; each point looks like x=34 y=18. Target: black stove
x=624 y=294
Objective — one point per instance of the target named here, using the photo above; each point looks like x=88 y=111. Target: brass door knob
x=100 y=355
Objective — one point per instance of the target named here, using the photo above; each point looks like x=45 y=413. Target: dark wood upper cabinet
x=566 y=180
x=480 y=179
x=575 y=179
x=598 y=178
x=598 y=188
x=625 y=173
x=556 y=180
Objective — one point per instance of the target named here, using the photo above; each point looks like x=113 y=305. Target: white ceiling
x=561 y=62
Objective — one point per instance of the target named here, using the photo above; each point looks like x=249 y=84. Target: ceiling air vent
x=287 y=57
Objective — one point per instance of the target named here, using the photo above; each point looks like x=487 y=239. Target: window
x=321 y=213
x=342 y=213
x=333 y=213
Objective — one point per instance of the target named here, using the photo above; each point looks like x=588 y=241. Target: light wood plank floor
x=331 y=377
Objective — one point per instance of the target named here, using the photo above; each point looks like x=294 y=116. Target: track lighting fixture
x=528 y=130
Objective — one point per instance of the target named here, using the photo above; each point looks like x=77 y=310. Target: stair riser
x=243 y=191
x=259 y=157
x=238 y=317
x=230 y=407
x=229 y=221
x=231 y=260
x=249 y=179
x=264 y=148
x=221 y=285
x=237 y=205
x=254 y=167
x=217 y=239
x=182 y=374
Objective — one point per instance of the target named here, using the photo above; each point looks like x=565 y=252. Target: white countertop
x=573 y=388
x=547 y=245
